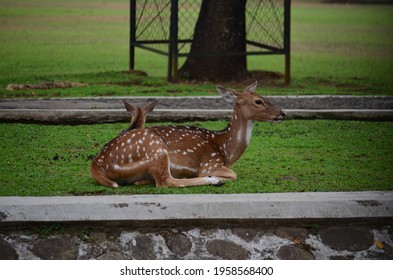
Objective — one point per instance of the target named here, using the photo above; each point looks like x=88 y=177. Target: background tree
x=220 y=28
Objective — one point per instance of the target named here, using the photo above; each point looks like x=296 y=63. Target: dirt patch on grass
x=268 y=76
x=263 y=77
x=348 y=86
x=47 y=85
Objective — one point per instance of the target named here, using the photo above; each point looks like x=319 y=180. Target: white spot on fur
x=183 y=167
x=250 y=125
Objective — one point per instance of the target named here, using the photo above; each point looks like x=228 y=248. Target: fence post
x=287 y=40
x=132 y=33
x=173 y=43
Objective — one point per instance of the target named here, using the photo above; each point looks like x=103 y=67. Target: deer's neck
x=235 y=138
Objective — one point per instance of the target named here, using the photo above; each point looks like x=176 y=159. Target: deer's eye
x=258 y=101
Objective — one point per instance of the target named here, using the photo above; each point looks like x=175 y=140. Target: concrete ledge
x=191 y=108
x=92 y=116
x=342 y=114
x=317 y=102
x=283 y=206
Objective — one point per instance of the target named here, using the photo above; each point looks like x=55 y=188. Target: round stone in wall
x=347 y=238
x=143 y=248
x=178 y=243
x=7 y=252
x=59 y=248
x=227 y=250
x=288 y=252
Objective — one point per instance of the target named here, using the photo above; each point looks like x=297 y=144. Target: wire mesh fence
x=265 y=23
x=167 y=27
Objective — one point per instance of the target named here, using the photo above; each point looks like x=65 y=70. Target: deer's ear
x=130 y=108
x=251 y=88
x=149 y=107
x=227 y=94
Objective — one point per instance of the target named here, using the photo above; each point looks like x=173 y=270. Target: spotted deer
x=182 y=156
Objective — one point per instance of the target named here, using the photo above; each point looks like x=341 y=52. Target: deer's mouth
x=278 y=120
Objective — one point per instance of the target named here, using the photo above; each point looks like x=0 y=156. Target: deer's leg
x=134 y=170
x=220 y=171
x=224 y=173
x=100 y=176
x=190 y=182
x=159 y=169
x=163 y=177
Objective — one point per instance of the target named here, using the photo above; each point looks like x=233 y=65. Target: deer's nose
x=282 y=113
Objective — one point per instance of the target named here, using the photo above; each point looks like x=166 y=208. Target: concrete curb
x=145 y=208
x=201 y=102
x=198 y=108
x=92 y=116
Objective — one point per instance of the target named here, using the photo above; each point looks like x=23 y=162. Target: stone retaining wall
x=304 y=242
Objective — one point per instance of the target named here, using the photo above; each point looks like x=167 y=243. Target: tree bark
x=220 y=32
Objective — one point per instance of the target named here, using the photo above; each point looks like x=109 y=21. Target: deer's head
x=251 y=105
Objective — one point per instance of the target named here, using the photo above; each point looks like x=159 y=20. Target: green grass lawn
x=336 y=49
x=292 y=156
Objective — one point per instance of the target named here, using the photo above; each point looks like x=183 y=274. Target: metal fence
x=166 y=27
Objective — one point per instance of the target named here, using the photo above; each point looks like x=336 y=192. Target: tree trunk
x=220 y=29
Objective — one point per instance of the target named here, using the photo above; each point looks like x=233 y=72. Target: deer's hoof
x=215 y=181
